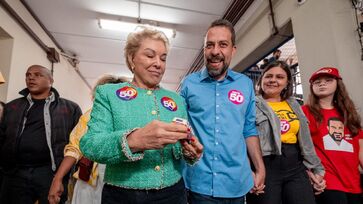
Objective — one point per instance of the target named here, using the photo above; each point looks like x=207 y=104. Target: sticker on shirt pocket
x=126 y=93
x=169 y=103
x=236 y=97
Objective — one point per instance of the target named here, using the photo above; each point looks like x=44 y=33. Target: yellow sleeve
x=72 y=148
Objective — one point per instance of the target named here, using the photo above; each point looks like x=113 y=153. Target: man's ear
x=234 y=50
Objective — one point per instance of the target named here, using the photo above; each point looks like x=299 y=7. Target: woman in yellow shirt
x=91 y=191
x=285 y=141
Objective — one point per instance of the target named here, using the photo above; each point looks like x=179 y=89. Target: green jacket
x=118 y=109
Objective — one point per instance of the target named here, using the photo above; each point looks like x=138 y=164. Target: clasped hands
x=317 y=181
x=158 y=134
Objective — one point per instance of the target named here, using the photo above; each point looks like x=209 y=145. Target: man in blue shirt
x=221 y=109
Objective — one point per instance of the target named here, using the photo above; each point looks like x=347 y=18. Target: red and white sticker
x=169 y=103
x=126 y=93
x=285 y=126
x=236 y=97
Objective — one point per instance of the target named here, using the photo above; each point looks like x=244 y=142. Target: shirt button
x=215 y=158
x=157 y=168
x=216 y=143
x=217 y=118
x=217 y=130
x=153 y=112
x=217 y=106
x=215 y=174
x=217 y=94
x=149 y=92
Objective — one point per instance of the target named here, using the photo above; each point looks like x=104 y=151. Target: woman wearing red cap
x=335 y=128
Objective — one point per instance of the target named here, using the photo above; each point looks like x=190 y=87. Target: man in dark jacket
x=33 y=133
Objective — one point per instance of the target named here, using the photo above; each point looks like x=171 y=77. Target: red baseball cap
x=325 y=71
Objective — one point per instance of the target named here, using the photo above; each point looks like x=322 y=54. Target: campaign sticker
x=126 y=93
x=236 y=97
x=169 y=103
x=285 y=126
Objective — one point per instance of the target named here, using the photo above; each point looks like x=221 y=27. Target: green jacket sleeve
x=102 y=143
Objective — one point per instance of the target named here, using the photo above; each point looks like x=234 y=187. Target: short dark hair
x=334 y=119
x=227 y=24
x=275 y=51
x=286 y=93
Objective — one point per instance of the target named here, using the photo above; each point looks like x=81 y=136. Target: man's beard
x=216 y=73
x=340 y=138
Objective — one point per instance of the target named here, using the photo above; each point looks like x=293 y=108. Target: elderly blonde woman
x=134 y=129
x=84 y=192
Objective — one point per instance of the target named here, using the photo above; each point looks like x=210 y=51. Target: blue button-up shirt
x=222 y=114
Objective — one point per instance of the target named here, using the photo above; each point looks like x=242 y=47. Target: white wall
x=325 y=35
x=26 y=52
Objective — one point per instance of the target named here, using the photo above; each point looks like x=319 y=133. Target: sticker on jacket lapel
x=169 y=103
x=126 y=93
x=285 y=126
x=236 y=97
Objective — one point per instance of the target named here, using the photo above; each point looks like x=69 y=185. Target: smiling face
x=324 y=86
x=273 y=83
x=218 y=51
x=149 y=63
x=38 y=81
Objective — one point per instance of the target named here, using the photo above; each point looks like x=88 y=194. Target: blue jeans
x=175 y=194
x=196 y=198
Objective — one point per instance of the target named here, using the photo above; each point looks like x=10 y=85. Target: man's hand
x=259 y=183
x=55 y=191
x=156 y=135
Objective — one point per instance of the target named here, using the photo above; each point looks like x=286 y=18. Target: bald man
x=33 y=133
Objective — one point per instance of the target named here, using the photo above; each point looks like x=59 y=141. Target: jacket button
x=154 y=112
x=157 y=168
x=149 y=92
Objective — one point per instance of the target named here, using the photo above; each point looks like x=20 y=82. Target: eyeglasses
x=325 y=81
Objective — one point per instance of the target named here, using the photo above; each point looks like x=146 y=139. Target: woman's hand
x=317 y=181
x=192 y=149
x=156 y=135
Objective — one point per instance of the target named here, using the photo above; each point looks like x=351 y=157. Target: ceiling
x=74 y=25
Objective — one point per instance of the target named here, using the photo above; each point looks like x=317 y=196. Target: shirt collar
x=231 y=75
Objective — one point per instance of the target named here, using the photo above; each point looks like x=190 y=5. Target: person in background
x=135 y=129
x=336 y=130
x=221 y=109
x=84 y=191
x=2 y=105
x=264 y=64
x=285 y=139
x=275 y=56
x=33 y=133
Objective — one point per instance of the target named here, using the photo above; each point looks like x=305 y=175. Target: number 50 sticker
x=236 y=97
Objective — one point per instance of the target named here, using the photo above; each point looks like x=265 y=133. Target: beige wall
x=324 y=33
x=26 y=52
x=6 y=46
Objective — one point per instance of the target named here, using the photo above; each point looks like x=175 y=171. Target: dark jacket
x=60 y=116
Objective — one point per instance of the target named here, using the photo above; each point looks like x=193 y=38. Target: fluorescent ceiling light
x=131 y=27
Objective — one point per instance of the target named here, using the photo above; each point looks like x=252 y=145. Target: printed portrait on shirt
x=335 y=139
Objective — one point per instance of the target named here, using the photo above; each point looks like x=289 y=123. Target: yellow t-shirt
x=288 y=120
